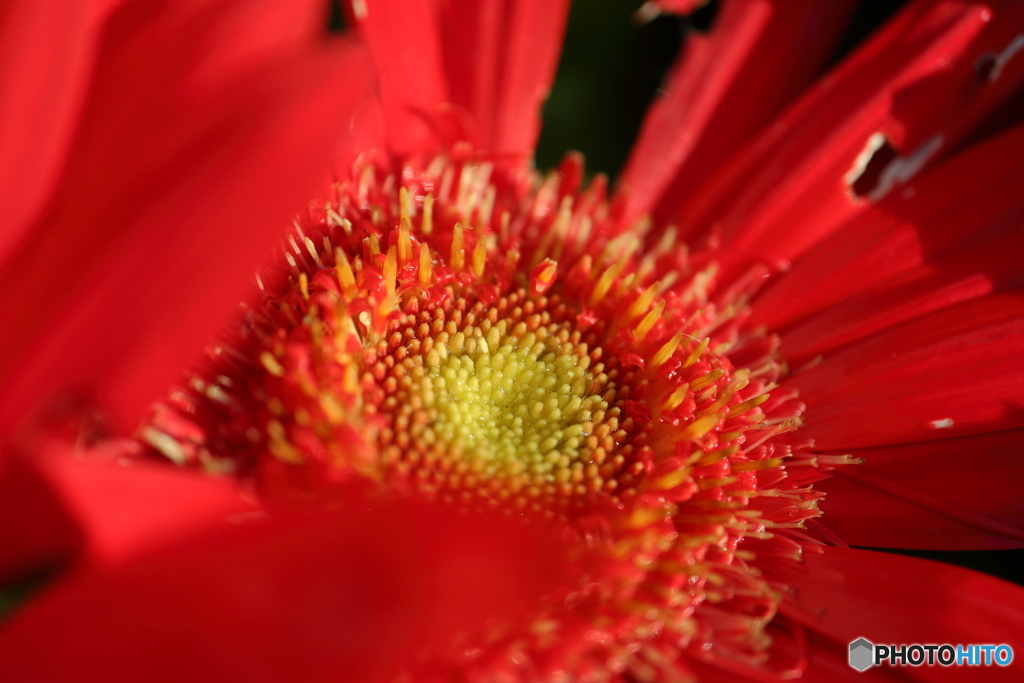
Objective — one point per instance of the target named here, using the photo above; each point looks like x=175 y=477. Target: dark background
x=612 y=67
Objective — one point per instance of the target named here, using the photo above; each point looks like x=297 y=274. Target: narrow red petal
x=723 y=89
x=501 y=58
x=533 y=43
x=845 y=594
x=950 y=494
x=308 y=597
x=913 y=90
x=184 y=172
x=473 y=30
x=955 y=372
x=47 y=48
x=958 y=277
x=972 y=197
x=404 y=43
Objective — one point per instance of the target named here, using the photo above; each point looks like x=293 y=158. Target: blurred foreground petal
x=47 y=49
x=186 y=167
x=59 y=506
x=347 y=595
x=845 y=594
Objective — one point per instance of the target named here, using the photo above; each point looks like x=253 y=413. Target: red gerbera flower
x=453 y=344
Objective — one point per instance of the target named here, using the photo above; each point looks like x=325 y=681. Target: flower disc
x=503 y=400
x=500 y=346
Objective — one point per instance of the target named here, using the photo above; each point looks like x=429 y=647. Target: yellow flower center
x=512 y=403
x=502 y=399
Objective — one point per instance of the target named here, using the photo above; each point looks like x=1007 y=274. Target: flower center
x=543 y=363
x=512 y=403
x=502 y=399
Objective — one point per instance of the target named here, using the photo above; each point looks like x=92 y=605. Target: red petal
x=47 y=49
x=955 y=372
x=796 y=655
x=915 y=84
x=186 y=169
x=828 y=662
x=950 y=494
x=472 y=31
x=845 y=594
x=402 y=37
x=723 y=89
x=533 y=43
x=60 y=504
x=309 y=597
x=974 y=196
x=501 y=58
x=35 y=530
x=961 y=276
x=677 y=6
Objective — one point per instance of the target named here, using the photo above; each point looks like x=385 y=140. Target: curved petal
x=958 y=277
x=35 y=530
x=949 y=494
x=902 y=100
x=501 y=58
x=61 y=505
x=471 y=32
x=186 y=167
x=404 y=43
x=304 y=597
x=797 y=654
x=47 y=48
x=844 y=594
x=533 y=43
x=722 y=90
x=975 y=196
x=955 y=372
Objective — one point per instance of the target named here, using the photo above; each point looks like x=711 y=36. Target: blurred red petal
x=35 y=529
x=722 y=90
x=955 y=372
x=308 y=597
x=59 y=505
x=973 y=197
x=844 y=594
x=533 y=42
x=402 y=38
x=472 y=31
x=677 y=6
x=47 y=48
x=794 y=185
x=816 y=659
x=501 y=58
x=950 y=494
x=164 y=214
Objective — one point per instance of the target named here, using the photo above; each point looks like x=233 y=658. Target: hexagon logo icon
x=862 y=653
